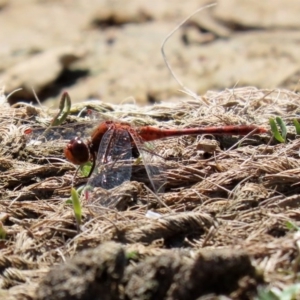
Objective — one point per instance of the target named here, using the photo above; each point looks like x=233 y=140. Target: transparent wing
x=64 y=132
x=113 y=167
x=113 y=163
x=153 y=163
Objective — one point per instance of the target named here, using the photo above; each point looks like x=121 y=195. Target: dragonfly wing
x=113 y=162
x=152 y=162
x=113 y=167
x=63 y=132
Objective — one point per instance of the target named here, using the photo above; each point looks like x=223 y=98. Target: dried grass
x=239 y=199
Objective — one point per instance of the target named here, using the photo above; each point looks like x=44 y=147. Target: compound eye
x=77 y=151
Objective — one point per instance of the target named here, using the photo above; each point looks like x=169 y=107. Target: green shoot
x=85 y=169
x=64 y=110
x=274 y=128
x=265 y=294
x=79 y=191
x=2 y=232
x=297 y=126
x=275 y=131
x=289 y=293
x=132 y=255
x=138 y=161
x=291 y=226
x=282 y=126
x=76 y=206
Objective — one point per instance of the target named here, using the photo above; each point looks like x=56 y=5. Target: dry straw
x=238 y=198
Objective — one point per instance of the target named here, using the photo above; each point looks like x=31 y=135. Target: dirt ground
x=103 y=49
x=226 y=226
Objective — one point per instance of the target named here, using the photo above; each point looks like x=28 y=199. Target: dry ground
x=225 y=220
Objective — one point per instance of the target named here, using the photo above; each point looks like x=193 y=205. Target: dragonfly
x=112 y=143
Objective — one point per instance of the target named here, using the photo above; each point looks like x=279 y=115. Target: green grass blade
x=275 y=131
x=76 y=206
x=290 y=292
x=282 y=126
x=85 y=169
x=291 y=226
x=64 y=110
x=2 y=232
x=132 y=255
x=297 y=126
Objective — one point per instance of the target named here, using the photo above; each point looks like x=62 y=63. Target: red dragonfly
x=114 y=141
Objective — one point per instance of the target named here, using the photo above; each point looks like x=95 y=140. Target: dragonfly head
x=77 y=151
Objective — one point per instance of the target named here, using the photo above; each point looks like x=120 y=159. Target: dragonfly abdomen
x=149 y=133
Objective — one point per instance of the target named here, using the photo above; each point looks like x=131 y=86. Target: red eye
x=77 y=151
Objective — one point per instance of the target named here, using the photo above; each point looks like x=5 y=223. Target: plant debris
x=221 y=227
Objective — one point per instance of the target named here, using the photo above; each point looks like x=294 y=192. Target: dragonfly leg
x=93 y=165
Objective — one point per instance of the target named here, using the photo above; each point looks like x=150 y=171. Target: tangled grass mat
x=227 y=223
